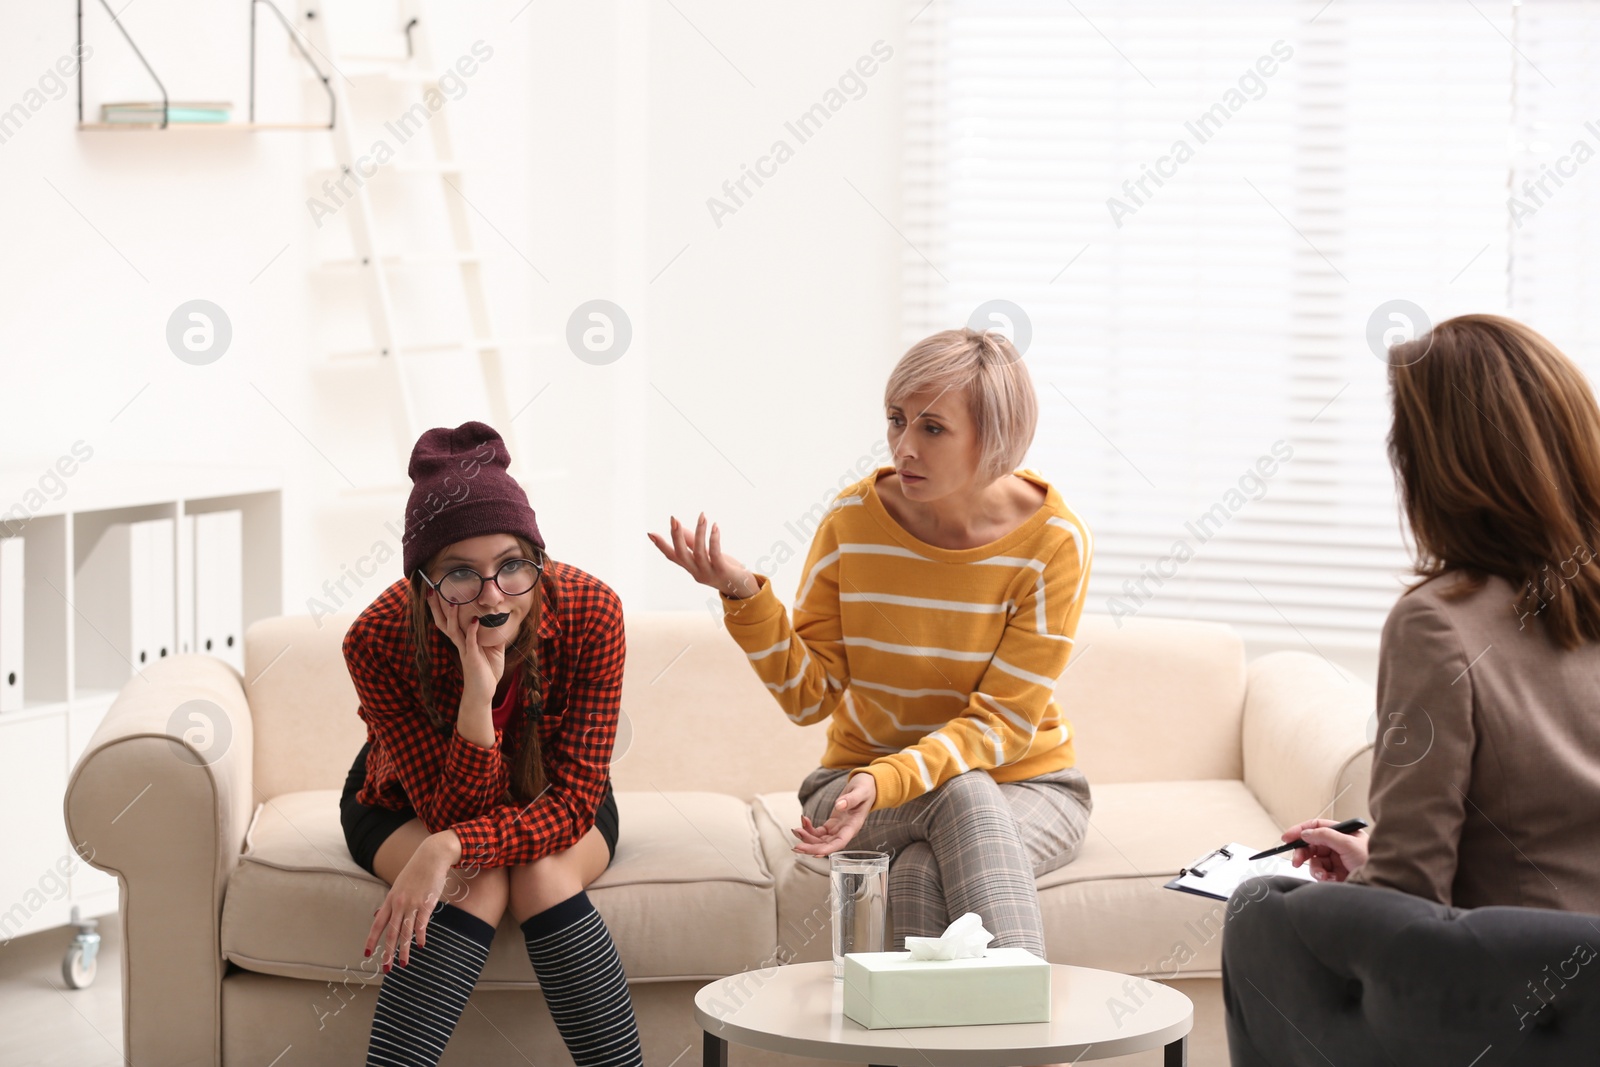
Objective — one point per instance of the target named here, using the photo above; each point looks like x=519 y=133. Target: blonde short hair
x=987 y=370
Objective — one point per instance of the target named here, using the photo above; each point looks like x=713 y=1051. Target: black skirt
x=366 y=828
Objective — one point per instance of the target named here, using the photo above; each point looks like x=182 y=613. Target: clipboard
x=1218 y=873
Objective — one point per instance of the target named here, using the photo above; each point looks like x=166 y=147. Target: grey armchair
x=1316 y=973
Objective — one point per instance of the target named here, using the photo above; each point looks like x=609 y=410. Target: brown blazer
x=1486 y=767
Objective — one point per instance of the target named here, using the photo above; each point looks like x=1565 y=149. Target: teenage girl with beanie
x=490 y=680
x=934 y=615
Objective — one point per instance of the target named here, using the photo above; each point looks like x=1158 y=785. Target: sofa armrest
x=164 y=806
x=1306 y=751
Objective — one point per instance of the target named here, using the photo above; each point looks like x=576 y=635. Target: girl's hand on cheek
x=481 y=667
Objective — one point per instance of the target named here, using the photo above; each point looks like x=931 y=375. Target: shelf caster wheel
x=78 y=968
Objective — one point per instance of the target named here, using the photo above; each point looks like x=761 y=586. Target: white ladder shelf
x=374 y=253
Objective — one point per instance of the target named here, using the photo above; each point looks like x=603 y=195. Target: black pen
x=1349 y=826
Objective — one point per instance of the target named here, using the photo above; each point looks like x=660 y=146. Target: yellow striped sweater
x=930 y=661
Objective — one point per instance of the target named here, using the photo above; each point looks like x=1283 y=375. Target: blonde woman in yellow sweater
x=934 y=615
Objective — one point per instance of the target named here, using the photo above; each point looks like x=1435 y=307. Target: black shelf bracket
x=165 y=101
x=300 y=47
x=144 y=62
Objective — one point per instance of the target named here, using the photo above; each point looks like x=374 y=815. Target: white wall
x=760 y=345
x=105 y=234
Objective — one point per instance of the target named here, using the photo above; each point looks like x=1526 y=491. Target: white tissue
x=963 y=939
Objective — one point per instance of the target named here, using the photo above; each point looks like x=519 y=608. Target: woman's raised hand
x=481 y=667
x=705 y=561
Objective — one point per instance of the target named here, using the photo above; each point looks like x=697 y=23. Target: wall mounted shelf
x=248 y=126
x=146 y=127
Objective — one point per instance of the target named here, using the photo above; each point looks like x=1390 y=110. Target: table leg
x=1177 y=1054
x=715 y=1053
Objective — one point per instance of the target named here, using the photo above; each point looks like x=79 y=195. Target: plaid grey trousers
x=970 y=845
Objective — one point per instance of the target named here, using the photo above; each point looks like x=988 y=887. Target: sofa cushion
x=1155 y=700
x=1106 y=908
x=683 y=668
x=1149 y=699
x=302 y=702
x=688 y=894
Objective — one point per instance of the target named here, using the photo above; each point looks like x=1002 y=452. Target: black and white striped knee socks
x=573 y=957
x=583 y=983
x=419 y=1004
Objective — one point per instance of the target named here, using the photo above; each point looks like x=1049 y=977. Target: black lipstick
x=492 y=621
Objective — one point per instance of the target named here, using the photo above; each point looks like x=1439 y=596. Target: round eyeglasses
x=463 y=585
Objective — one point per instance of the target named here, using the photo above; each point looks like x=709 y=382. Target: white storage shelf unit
x=89 y=557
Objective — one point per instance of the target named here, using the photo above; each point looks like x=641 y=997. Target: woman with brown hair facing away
x=490 y=679
x=1486 y=775
x=935 y=613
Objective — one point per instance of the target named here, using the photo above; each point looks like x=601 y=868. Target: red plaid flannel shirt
x=455 y=784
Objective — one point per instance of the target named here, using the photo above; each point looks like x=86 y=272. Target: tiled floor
x=43 y=1023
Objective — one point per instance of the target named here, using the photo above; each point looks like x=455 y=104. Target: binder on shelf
x=11 y=624
x=138 y=578
x=161 y=605
x=186 y=584
x=127 y=599
x=219 y=586
x=151 y=600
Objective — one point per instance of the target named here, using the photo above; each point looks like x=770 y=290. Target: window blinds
x=1202 y=210
x=1554 y=199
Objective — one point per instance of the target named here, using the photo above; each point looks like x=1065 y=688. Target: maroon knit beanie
x=460 y=488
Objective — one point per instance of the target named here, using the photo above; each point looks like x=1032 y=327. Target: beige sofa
x=244 y=916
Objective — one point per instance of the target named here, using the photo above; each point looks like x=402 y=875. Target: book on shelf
x=148 y=113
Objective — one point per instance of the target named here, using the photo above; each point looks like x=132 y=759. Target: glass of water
x=860 y=898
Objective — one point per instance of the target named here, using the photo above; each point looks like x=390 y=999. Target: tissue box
x=890 y=989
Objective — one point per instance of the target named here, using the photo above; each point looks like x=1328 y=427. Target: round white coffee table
x=798 y=1010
